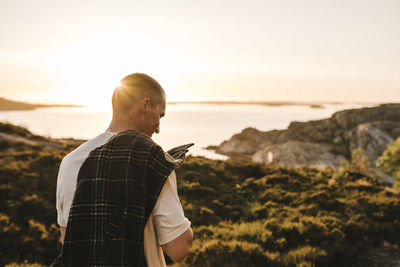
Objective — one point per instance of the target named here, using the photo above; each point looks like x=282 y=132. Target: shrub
x=229 y=253
x=303 y=256
x=390 y=162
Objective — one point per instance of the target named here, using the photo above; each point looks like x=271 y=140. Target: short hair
x=133 y=88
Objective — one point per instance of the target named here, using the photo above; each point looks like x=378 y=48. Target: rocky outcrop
x=295 y=153
x=320 y=142
x=248 y=142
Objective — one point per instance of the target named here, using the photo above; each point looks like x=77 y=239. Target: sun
x=91 y=70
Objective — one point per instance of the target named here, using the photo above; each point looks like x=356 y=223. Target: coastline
x=10 y=105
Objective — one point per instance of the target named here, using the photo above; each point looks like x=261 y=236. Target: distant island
x=6 y=104
x=262 y=103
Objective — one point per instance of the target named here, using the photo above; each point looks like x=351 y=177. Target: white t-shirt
x=167 y=217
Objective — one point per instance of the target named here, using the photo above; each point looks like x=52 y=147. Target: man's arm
x=178 y=248
x=62 y=232
x=172 y=227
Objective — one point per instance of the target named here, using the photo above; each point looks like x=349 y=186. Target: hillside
x=6 y=104
x=15 y=138
x=243 y=213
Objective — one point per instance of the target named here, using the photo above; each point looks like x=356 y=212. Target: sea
x=201 y=124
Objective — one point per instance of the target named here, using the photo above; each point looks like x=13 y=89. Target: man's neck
x=121 y=126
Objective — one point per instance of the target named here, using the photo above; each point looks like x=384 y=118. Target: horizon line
x=222 y=102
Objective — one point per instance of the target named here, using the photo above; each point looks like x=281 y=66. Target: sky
x=310 y=50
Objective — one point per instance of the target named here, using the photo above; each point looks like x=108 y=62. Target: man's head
x=139 y=103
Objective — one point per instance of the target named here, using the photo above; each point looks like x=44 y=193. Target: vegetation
x=28 y=228
x=358 y=162
x=266 y=215
x=390 y=162
x=9 y=128
x=242 y=213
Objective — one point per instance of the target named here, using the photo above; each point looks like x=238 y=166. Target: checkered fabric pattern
x=117 y=188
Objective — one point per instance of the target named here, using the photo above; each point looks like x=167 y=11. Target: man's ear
x=144 y=104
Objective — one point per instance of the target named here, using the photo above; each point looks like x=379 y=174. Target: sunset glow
x=77 y=51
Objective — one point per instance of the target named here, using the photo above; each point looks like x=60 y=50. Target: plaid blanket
x=117 y=188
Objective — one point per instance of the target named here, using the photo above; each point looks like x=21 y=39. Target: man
x=115 y=189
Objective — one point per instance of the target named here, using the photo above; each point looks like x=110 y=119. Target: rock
x=348 y=119
x=383 y=178
x=296 y=153
x=389 y=127
x=371 y=139
x=338 y=140
x=248 y=142
x=311 y=131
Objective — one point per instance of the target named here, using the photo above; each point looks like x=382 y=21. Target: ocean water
x=202 y=124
